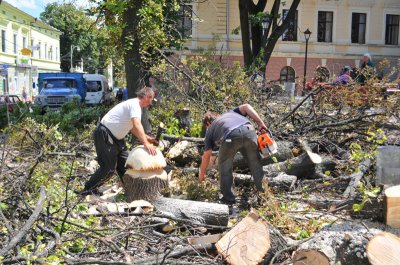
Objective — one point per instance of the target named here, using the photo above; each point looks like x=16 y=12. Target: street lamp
x=265 y=24
x=307 y=35
x=71 y=53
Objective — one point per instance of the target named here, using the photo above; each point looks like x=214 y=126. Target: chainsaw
x=267 y=144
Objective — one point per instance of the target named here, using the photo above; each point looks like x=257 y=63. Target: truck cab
x=55 y=89
x=97 y=90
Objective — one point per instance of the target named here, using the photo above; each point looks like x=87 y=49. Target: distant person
x=367 y=69
x=120 y=94
x=24 y=94
x=345 y=76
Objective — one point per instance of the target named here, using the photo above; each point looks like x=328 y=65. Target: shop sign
x=26 y=51
x=4 y=69
x=34 y=71
x=23 y=61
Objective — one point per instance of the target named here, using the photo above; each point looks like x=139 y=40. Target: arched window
x=322 y=74
x=287 y=74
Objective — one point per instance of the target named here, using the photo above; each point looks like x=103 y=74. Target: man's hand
x=153 y=140
x=151 y=149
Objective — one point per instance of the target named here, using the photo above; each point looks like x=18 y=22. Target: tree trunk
x=341 y=244
x=197 y=212
x=282 y=182
x=131 y=42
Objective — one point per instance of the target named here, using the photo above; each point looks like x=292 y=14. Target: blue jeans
x=243 y=140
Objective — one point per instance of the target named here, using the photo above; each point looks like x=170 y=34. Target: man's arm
x=247 y=109
x=138 y=131
x=205 y=160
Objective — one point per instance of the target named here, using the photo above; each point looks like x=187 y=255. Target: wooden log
x=197 y=212
x=392 y=206
x=282 y=182
x=183 y=153
x=251 y=241
x=301 y=167
x=340 y=244
x=384 y=249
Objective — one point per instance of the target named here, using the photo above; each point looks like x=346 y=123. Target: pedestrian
x=344 y=77
x=24 y=94
x=367 y=69
x=232 y=132
x=109 y=137
x=120 y=94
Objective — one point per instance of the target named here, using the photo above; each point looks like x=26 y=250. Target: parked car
x=11 y=101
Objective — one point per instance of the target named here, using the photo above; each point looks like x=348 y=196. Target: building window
x=40 y=49
x=287 y=75
x=32 y=49
x=56 y=53
x=185 y=20
x=51 y=57
x=24 y=42
x=392 y=30
x=325 y=24
x=46 y=56
x=358 y=27
x=322 y=74
x=3 y=40
x=15 y=43
x=291 y=33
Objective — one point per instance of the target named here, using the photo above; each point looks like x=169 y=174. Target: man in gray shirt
x=233 y=133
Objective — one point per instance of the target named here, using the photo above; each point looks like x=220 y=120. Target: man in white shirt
x=110 y=134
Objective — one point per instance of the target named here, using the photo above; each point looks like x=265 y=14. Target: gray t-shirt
x=223 y=126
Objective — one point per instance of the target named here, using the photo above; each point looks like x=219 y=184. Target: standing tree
x=78 y=30
x=257 y=50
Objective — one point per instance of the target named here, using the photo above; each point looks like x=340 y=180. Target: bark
x=355 y=178
x=301 y=167
x=282 y=182
x=144 y=185
x=341 y=244
x=196 y=212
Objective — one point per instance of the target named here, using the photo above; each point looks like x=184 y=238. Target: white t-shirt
x=118 y=119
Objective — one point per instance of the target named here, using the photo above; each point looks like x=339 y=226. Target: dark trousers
x=243 y=140
x=111 y=156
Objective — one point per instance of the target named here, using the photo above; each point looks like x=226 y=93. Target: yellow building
x=341 y=32
x=28 y=46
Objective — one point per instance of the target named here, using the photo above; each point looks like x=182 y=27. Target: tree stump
x=384 y=249
x=392 y=206
x=145 y=178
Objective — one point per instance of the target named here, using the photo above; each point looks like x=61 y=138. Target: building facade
x=28 y=47
x=341 y=32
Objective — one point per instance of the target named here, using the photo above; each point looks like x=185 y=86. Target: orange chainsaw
x=267 y=144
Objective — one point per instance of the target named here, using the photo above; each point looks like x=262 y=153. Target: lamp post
x=307 y=35
x=71 y=53
x=265 y=24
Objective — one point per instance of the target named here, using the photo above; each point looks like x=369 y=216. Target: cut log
x=340 y=244
x=194 y=211
x=144 y=185
x=281 y=182
x=250 y=241
x=183 y=153
x=392 y=206
x=301 y=167
x=315 y=158
x=384 y=249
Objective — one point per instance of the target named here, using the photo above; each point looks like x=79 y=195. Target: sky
x=35 y=7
